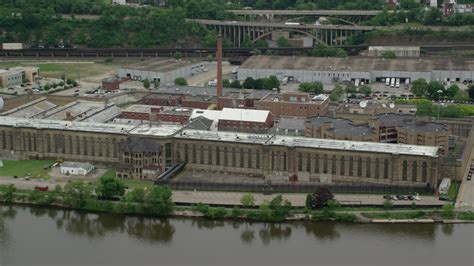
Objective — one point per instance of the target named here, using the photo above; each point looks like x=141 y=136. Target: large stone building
x=343 y=129
x=312 y=160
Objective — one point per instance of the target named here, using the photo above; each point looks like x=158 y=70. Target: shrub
x=387 y=204
x=247 y=200
x=447 y=211
x=7 y=192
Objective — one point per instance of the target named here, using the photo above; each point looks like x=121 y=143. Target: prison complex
x=144 y=151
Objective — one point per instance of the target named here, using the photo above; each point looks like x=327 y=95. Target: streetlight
x=439 y=96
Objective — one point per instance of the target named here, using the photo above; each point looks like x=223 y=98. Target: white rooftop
x=250 y=115
x=162 y=130
x=290 y=141
x=64 y=125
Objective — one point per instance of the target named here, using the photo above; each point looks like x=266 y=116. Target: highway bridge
x=290 y=12
x=332 y=35
x=347 y=16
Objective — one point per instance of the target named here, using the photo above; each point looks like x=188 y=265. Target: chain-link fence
x=295 y=187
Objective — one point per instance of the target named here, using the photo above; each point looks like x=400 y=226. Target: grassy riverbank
x=156 y=201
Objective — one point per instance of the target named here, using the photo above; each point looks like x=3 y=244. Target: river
x=42 y=236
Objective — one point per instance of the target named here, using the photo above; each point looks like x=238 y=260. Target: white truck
x=392 y=82
x=397 y=83
x=444 y=188
x=387 y=82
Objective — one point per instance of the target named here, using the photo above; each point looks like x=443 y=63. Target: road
x=203 y=78
x=465 y=199
x=298 y=200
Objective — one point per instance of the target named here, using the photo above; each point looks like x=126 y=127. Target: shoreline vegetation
x=156 y=202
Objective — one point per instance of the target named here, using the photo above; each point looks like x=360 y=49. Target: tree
x=271 y=82
x=311 y=87
x=146 y=84
x=389 y=55
x=136 y=195
x=76 y=193
x=471 y=92
x=336 y=93
x=226 y=83
x=419 y=87
x=351 y=89
x=178 y=55
x=451 y=91
x=366 y=90
x=283 y=42
x=249 y=83
x=235 y=84
x=434 y=88
x=320 y=198
x=180 y=82
x=110 y=187
x=247 y=200
x=158 y=201
x=322 y=50
x=156 y=84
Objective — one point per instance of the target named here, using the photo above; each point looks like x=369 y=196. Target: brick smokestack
x=220 y=84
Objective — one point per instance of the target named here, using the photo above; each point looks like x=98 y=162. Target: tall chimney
x=220 y=84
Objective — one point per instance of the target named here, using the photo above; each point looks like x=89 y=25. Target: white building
x=76 y=168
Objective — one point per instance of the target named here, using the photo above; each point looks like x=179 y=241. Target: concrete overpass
x=305 y=12
x=332 y=35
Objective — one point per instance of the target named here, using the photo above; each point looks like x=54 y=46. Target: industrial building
x=329 y=70
x=15 y=76
x=163 y=70
x=294 y=104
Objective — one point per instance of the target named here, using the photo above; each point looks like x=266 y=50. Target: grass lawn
x=131 y=183
x=453 y=190
x=72 y=70
x=22 y=168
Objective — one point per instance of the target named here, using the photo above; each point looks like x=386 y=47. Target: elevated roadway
x=305 y=12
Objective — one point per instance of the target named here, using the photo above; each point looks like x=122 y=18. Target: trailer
x=12 y=46
x=444 y=187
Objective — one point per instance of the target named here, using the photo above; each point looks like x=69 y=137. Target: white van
x=387 y=82
x=392 y=82
x=397 y=83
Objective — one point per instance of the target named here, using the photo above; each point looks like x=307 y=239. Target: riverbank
x=264 y=214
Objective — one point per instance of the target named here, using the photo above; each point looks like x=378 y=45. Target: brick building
x=245 y=120
x=293 y=104
x=335 y=128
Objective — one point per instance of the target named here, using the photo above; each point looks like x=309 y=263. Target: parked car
x=387 y=197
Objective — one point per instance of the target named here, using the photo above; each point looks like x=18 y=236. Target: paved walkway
x=297 y=200
x=465 y=199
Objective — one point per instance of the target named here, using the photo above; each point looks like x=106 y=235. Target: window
x=359 y=167
x=368 y=167
x=385 y=168
x=405 y=170
x=343 y=170
x=424 y=171
x=414 y=171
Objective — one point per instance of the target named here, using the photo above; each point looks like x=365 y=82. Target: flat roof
x=76 y=110
x=303 y=142
x=162 y=130
x=65 y=125
x=357 y=64
x=246 y=115
x=162 y=65
x=139 y=108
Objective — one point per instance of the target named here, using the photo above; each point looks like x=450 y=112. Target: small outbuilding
x=76 y=168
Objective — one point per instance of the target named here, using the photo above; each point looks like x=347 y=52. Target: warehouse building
x=163 y=70
x=329 y=70
x=15 y=76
